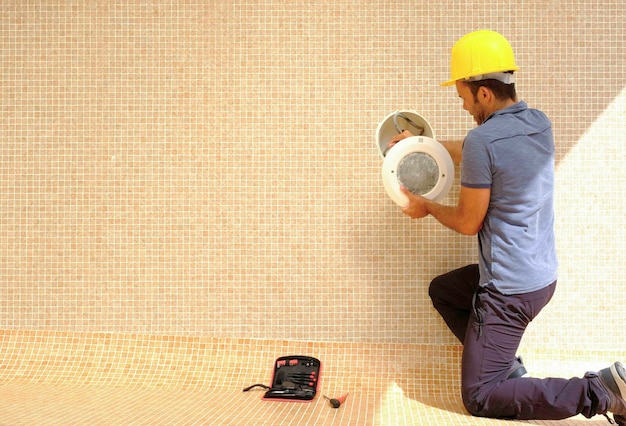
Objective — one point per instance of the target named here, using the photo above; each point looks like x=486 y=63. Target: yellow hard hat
x=480 y=55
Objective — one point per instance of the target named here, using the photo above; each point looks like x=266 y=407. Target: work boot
x=517 y=369
x=613 y=379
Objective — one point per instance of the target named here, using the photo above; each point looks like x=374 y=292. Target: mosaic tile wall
x=208 y=169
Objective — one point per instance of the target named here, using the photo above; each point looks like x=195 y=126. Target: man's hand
x=416 y=208
x=397 y=138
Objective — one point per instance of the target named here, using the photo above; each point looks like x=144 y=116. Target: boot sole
x=620 y=381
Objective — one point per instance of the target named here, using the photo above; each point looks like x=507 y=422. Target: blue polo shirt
x=512 y=153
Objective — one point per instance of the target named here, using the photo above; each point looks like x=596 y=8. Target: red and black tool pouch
x=294 y=378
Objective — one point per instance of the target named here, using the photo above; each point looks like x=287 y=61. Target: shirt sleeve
x=477 y=163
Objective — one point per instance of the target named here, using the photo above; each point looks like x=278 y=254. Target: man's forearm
x=451 y=217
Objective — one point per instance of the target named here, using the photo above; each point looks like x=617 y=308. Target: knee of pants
x=435 y=290
x=470 y=401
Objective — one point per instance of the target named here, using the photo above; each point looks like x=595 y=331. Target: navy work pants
x=490 y=326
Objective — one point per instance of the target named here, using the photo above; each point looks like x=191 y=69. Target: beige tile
x=209 y=172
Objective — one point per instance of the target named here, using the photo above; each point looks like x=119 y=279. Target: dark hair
x=501 y=91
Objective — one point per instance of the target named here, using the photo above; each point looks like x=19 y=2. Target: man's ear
x=484 y=94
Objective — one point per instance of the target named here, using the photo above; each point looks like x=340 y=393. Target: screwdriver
x=336 y=402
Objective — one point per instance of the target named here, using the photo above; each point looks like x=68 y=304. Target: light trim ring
x=417 y=144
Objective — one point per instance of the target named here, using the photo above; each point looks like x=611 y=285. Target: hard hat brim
x=492 y=75
x=448 y=83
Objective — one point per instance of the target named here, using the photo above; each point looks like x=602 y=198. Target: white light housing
x=399 y=120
